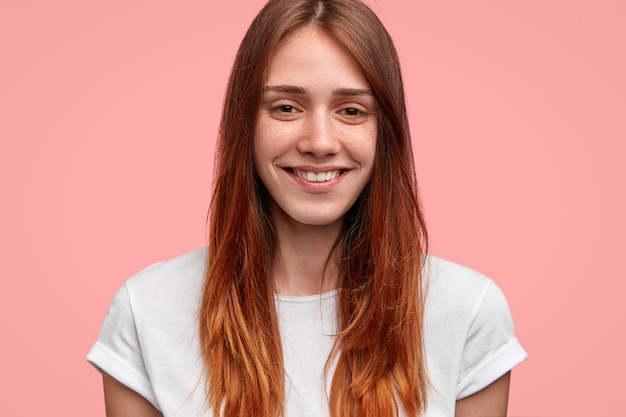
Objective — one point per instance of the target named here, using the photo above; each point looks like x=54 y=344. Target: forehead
x=312 y=55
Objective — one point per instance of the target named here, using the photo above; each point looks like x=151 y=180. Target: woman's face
x=315 y=139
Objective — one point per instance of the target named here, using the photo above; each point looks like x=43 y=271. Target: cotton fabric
x=149 y=338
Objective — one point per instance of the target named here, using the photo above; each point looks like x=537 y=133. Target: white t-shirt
x=149 y=339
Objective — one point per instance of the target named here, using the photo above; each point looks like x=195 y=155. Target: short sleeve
x=118 y=352
x=491 y=348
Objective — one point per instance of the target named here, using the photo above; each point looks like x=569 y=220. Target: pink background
x=108 y=118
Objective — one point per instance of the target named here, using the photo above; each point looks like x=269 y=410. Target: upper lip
x=316 y=169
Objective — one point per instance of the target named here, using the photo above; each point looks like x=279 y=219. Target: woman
x=315 y=296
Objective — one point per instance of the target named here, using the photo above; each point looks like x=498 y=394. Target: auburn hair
x=379 y=354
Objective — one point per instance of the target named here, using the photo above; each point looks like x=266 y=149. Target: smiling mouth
x=311 y=176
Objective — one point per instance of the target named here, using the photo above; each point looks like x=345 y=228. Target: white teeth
x=311 y=176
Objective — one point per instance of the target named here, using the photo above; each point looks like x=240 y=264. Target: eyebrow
x=341 y=92
x=347 y=92
x=292 y=89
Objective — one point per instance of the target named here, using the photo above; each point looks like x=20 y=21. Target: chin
x=318 y=218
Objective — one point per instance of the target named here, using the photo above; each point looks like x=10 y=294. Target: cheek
x=268 y=139
x=365 y=146
x=264 y=155
x=262 y=142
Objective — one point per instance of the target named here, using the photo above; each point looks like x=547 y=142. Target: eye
x=285 y=108
x=354 y=114
x=282 y=109
x=351 y=112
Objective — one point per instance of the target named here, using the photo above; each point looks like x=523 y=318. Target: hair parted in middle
x=380 y=363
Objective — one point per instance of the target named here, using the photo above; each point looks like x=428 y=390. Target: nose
x=319 y=137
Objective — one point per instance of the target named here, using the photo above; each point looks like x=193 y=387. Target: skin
x=121 y=401
x=492 y=401
x=317 y=115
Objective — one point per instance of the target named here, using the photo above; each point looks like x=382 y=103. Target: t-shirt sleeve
x=118 y=352
x=491 y=348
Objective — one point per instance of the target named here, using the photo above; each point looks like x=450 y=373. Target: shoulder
x=463 y=297
x=454 y=285
x=180 y=273
x=148 y=341
x=469 y=334
x=182 y=267
x=170 y=288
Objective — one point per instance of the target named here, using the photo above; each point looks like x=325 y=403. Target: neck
x=305 y=264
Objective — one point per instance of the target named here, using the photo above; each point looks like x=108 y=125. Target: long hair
x=379 y=355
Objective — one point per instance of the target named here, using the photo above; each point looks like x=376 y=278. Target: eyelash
x=355 y=112
x=282 y=107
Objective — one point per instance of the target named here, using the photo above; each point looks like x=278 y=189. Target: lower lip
x=317 y=187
